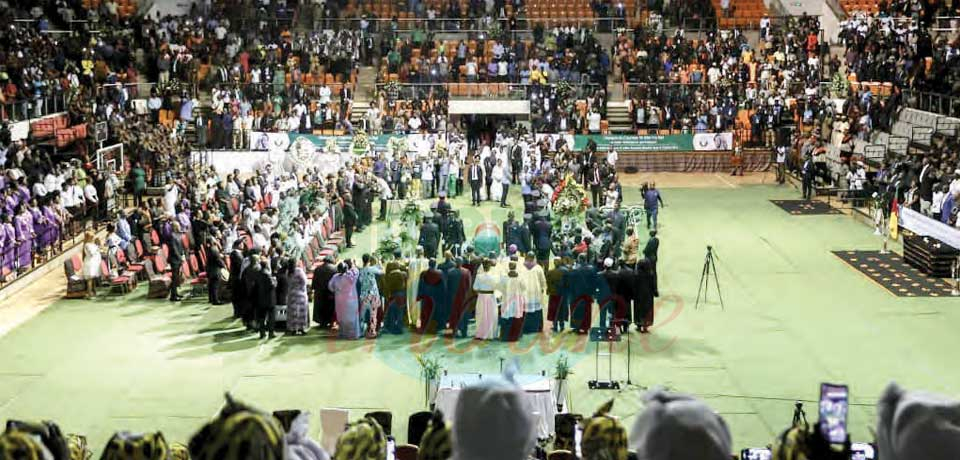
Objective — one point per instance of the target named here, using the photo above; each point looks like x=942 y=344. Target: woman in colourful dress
x=370 y=302
x=344 y=287
x=298 y=318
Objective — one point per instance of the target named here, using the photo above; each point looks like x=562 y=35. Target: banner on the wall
x=422 y=143
x=262 y=141
x=647 y=143
x=713 y=141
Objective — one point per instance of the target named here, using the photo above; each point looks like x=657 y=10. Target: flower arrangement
x=564 y=89
x=331 y=147
x=839 y=86
x=387 y=246
x=360 y=142
x=397 y=145
x=569 y=198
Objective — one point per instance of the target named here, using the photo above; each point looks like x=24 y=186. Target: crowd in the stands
x=707 y=84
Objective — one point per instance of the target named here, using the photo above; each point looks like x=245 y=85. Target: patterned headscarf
x=238 y=433
x=604 y=438
x=17 y=445
x=363 y=440
x=129 y=446
x=435 y=443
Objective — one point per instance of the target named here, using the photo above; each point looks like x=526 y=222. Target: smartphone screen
x=577 y=436
x=833 y=412
x=862 y=451
x=756 y=453
x=391 y=448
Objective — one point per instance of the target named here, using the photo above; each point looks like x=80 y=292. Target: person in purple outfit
x=9 y=201
x=39 y=225
x=23 y=224
x=51 y=233
x=8 y=243
x=23 y=192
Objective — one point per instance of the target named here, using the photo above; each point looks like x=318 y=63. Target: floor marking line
x=728 y=183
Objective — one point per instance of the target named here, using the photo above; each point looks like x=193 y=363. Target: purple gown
x=51 y=233
x=39 y=228
x=9 y=238
x=23 y=224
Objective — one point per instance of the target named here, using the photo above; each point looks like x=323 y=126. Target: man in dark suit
x=651 y=249
x=237 y=297
x=453 y=235
x=542 y=230
x=323 y=301
x=215 y=263
x=429 y=236
x=488 y=164
x=349 y=219
x=808 y=172
x=265 y=299
x=175 y=259
x=596 y=185
x=475 y=176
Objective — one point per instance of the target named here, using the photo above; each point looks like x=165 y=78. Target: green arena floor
x=795 y=316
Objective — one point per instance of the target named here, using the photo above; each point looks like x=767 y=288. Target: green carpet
x=795 y=316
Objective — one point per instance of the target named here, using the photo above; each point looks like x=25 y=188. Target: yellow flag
x=893 y=225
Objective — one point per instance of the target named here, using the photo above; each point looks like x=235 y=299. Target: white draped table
x=540 y=400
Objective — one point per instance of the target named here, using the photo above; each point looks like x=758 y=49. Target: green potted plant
x=561 y=372
x=430 y=370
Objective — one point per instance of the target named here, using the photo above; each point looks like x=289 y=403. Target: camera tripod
x=709 y=265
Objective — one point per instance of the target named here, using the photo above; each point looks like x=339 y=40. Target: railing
x=505 y=91
x=946 y=24
x=65 y=236
x=34 y=107
x=944 y=104
x=713 y=23
x=478 y=26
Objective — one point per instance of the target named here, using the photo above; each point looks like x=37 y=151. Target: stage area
x=796 y=315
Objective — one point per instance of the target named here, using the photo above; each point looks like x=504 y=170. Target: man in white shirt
x=472 y=70
x=414 y=123
x=324 y=94
x=594 y=122
x=91 y=199
x=612 y=157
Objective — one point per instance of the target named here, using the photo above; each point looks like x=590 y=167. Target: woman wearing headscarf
x=344 y=287
x=492 y=420
x=676 y=427
x=370 y=302
x=298 y=316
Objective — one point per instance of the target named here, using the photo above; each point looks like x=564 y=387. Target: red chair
x=76 y=285
x=159 y=277
x=136 y=271
x=119 y=281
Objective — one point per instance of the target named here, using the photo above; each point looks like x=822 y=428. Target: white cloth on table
x=536 y=388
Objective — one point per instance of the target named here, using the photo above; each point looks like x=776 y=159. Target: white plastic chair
x=334 y=423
